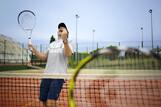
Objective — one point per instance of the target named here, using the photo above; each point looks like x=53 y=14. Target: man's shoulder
x=54 y=42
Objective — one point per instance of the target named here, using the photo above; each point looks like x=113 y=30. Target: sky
x=113 y=20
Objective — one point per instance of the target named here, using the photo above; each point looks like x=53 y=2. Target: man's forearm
x=41 y=56
x=67 y=50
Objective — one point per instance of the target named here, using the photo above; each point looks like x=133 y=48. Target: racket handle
x=29 y=42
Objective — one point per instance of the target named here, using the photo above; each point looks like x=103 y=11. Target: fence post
x=41 y=52
x=4 y=51
x=97 y=45
x=22 y=51
x=87 y=49
x=119 y=43
x=157 y=50
x=142 y=44
x=77 y=54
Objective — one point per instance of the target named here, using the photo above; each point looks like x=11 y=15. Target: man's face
x=62 y=32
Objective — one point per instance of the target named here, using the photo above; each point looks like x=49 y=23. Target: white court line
x=82 y=76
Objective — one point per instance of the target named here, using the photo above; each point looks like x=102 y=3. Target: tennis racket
x=27 y=21
x=109 y=59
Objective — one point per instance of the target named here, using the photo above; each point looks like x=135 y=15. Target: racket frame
x=104 y=51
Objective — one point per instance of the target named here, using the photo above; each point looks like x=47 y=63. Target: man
x=56 y=57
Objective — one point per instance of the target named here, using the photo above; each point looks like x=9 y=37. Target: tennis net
x=91 y=90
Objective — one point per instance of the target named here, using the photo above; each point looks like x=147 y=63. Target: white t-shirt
x=57 y=61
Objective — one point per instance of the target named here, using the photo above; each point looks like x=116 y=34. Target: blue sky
x=113 y=20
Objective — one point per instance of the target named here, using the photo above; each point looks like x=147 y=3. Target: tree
x=52 y=39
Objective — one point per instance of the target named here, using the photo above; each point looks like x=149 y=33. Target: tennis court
x=111 y=51
x=108 y=77
x=138 y=88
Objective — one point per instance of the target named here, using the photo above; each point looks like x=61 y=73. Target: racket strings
x=27 y=20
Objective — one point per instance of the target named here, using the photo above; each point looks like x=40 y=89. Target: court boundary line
x=82 y=76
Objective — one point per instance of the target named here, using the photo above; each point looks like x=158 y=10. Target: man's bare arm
x=67 y=50
x=64 y=36
x=38 y=54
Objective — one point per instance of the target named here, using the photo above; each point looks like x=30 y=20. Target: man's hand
x=30 y=46
x=38 y=54
x=64 y=34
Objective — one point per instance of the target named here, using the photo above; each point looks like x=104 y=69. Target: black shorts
x=50 y=89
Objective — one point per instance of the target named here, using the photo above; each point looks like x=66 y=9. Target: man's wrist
x=65 y=41
x=32 y=49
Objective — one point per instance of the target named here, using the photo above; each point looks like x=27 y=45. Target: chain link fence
x=12 y=52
